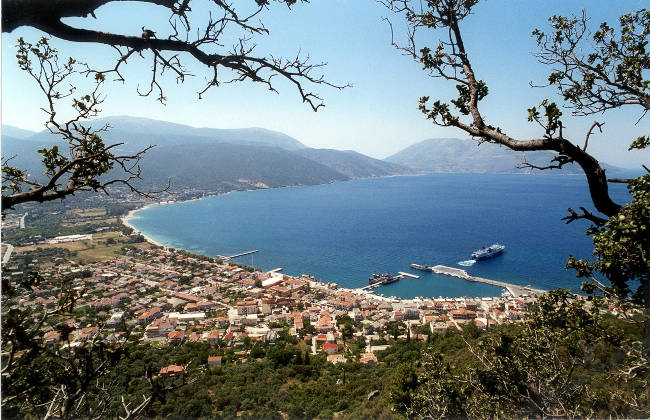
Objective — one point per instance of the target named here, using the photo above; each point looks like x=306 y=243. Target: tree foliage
x=612 y=76
x=567 y=360
x=81 y=165
x=184 y=36
x=594 y=73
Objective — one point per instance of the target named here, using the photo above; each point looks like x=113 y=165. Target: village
x=165 y=296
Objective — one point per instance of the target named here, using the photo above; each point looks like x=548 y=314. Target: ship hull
x=421 y=267
x=487 y=256
x=488 y=252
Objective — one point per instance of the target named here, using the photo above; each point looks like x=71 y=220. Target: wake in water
x=467 y=263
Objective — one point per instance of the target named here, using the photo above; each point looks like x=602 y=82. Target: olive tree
x=594 y=72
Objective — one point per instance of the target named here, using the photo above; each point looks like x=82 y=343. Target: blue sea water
x=345 y=231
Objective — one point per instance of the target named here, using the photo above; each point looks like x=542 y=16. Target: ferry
x=488 y=252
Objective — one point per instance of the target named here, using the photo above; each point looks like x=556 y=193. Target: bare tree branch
x=240 y=60
x=449 y=60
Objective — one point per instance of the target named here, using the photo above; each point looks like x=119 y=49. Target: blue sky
x=378 y=116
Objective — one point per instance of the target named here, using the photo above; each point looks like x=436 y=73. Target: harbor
x=514 y=289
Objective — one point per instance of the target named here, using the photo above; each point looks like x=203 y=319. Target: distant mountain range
x=217 y=160
x=465 y=155
x=211 y=159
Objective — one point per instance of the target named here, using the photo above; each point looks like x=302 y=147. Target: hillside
x=19 y=133
x=464 y=155
x=225 y=167
x=353 y=164
x=212 y=159
x=138 y=133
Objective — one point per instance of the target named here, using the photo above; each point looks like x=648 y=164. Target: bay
x=345 y=231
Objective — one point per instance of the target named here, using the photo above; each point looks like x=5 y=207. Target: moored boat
x=488 y=252
x=421 y=267
x=382 y=279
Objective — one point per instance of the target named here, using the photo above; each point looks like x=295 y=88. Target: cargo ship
x=382 y=279
x=488 y=252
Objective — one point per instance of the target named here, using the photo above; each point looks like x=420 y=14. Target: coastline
x=367 y=294
x=127 y=221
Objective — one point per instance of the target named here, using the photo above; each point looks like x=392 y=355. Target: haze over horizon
x=378 y=116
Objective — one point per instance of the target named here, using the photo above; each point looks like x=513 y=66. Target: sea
x=344 y=232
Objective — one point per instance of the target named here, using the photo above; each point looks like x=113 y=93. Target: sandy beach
x=131 y=214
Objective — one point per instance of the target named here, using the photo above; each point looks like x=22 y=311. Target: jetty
x=241 y=254
x=514 y=289
x=275 y=270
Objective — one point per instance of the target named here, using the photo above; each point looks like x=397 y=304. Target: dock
x=514 y=289
x=237 y=255
x=275 y=270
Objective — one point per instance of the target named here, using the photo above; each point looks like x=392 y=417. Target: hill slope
x=19 y=133
x=464 y=155
x=353 y=164
x=214 y=160
x=138 y=133
x=225 y=167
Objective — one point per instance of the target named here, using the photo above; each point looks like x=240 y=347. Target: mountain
x=353 y=164
x=19 y=133
x=212 y=159
x=226 y=167
x=138 y=133
x=464 y=155
x=23 y=153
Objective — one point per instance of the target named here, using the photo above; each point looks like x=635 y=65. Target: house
x=368 y=358
x=214 y=360
x=246 y=307
x=336 y=358
x=115 y=320
x=176 y=337
x=213 y=337
x=149 y=315
x=267 y=305
x=160 y=328
x=171 y=370
x=463 y=313
x=330 y=348
x=188 y=298
x=51 y=337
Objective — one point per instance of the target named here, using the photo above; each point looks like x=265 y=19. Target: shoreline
x=125 y=220
x=367 y=294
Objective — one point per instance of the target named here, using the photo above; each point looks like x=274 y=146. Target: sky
x=378 y=115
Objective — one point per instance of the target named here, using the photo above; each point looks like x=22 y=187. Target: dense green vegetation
x=579 y=360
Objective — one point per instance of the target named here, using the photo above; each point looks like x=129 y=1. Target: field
x=94 y=212
x=103 y=246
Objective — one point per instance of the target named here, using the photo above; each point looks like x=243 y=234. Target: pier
x=275 y=270
x=237 y=255
x=514 y=289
